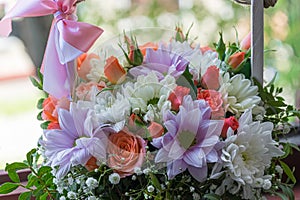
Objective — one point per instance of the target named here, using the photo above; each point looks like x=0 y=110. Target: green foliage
x=40 y=180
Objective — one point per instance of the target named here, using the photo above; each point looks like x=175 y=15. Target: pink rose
x=126 y=151
x=83 y=90
x=246 y=42
x=231 y=122
x=177 y=95
x=214 y=100
x=210 y=79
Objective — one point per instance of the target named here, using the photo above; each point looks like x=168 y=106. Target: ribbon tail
x=5 y=27
x=55 y=73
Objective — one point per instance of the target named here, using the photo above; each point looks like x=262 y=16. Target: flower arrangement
x=166 y=120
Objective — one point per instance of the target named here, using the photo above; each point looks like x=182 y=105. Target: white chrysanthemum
x=149 y=96
x=247 y=154
x=238 y=93
x=97 y=65
x=97 y=70
x=199 y=62
x=110 y=108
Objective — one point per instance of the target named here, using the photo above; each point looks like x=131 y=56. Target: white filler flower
x=238 y=93
x=247 y=154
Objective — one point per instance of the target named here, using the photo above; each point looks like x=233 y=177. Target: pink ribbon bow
x=67 y=39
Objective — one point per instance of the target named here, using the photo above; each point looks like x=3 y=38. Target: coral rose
x=210 y=79
x=215 y=102
x=177 y=95
x=50 y=107
x=126 y=151
x=83 y=90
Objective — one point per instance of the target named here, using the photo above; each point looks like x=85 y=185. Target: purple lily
x=162 y=61
x=75 y=142
x=190 y=141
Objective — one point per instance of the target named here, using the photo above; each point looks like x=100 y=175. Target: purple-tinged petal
x=176 y=167
x=200 y=174
x=80 y=157
x=212 y=156
x=194 y=157
x=66 y=122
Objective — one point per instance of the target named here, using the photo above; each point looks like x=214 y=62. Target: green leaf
x=13 y=176
x=36 y=83
x=29 y=156
x=40 y=103
x=287 y=191
x=45 y=125
x=25 y=196
x=155 y=181
x=39 y=116
x=8 y=187
x=43 y=170
x=16 y=166
x=282 y=196
x=44 y=196
x=221 y=48
x=288 y=171
x=31 y=181
x=212 y=197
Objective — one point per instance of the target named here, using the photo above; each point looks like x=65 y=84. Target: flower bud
x=236 y=59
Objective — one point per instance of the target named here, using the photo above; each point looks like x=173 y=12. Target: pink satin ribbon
x=67 y=39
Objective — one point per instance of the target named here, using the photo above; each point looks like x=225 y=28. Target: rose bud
x=246 y=42
x=236 y=59
x=231 y=122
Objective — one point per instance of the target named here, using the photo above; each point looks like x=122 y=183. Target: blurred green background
x=282 y=27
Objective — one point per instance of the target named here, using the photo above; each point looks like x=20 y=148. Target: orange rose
x=113 y=71
x=236 y=59
x=148 y=45
x=50 y=107
x=126 y=151
x=91 y=164
x=84 y=64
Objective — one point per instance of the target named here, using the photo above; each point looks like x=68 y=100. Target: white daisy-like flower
x=110 y=108
x=200 y=62
x=97 y=64
x=97 y=70
x=238 y=93
x=149 y=96
x=247 y=154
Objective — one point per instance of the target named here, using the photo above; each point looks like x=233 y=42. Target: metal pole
x=257 y=39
